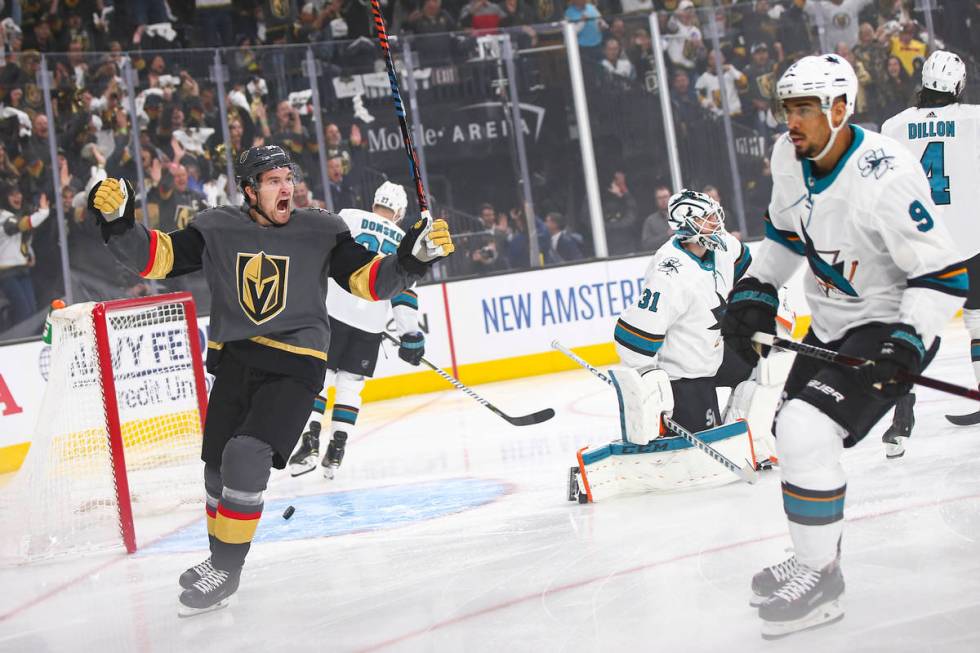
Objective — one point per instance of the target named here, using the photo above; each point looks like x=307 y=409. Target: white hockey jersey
x=676 y=322
x=378 y=235
x=946 y=141
x=875 y=243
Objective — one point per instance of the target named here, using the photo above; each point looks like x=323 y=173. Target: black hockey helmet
x=256 y=160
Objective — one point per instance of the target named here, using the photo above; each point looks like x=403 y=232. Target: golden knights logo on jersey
x=262 y=285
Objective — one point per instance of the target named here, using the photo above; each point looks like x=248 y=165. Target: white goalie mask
x=391 y=196
x=944 y=72
x=697 y=218
x=825 y=77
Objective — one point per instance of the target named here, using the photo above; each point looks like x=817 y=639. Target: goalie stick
x=832 y=356
x=746 y=473
x=520 y=420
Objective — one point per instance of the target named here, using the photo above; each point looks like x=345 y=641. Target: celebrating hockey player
x=355 y=334
x=944 y=135
x=267 y=267
x=883 y=282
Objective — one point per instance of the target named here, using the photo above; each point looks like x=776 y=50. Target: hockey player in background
x=355 y=334
x=672 y=332
x=883 y=282
x=267 y=267
x=944 y=135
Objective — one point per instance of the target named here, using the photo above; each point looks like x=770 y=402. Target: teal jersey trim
x=707 y=264
x=817 y=186
x=788 y=239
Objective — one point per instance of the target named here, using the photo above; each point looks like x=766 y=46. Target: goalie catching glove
x=110 y=200
x=424 y=243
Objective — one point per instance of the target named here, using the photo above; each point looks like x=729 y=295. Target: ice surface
x=448 y=530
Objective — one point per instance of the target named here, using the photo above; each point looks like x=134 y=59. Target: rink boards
x=481 y=330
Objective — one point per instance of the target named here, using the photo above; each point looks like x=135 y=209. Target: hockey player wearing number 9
x=355 y=334
x=883 y=281
x=944 y=135
x=672 y=333
x=267 y=267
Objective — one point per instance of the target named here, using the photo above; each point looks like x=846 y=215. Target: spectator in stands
x=288 y=132
x=759 y=27
x=896 y=90
x=518 y=13
x=761 y=82
x=685 y=48
x=172 y=204
x=863 y=77
x=656 y=231
x=620 y=216
x=873 y=55
x=563 y=246
x=840 y=20
x=343 y=193
x=616 y=71
x=640 y=53
x=432 y=19
x=796 y=30
x=17 y=225
x=729 y=38
x=215 y=21
x=907 y=48
x=303 y=198
x=589 y=25
x=709 y=89
x=686 y=108
x=482 y=16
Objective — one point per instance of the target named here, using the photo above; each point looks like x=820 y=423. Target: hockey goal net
x=119 y=431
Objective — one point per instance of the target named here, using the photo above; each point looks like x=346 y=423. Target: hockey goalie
x=674 y=363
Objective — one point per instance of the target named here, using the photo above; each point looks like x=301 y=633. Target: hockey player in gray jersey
x=944 y=135
x=355 y=334
x=267 y=267
x=883 y=282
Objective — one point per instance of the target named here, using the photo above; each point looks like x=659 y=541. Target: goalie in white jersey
x=674 y=329
x=883 y=282
x=944 y=135
x=355 y=334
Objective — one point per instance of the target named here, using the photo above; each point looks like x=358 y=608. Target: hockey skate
x=195 y=573
x=335 y=454
x=901 y=427
x=809 y=599
x=304 y=460
x=770 y=579
x=212 y=592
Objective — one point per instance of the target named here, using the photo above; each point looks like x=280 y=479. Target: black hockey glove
x=901 y=351
x=751 y=307
x=113 y=203
x=424 y=244
x=412 y=348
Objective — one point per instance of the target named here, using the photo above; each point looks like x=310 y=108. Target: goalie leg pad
x=644 y=395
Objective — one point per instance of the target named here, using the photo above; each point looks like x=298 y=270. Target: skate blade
x=184 y=611
x=757 y=599
x=823 y=615
x=329 y=471
x=895 y=450
x=298 y=469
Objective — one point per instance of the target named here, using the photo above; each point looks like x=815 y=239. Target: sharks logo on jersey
x=670 y=265
x=875 y=162
x=830 y=276
x=718 y=312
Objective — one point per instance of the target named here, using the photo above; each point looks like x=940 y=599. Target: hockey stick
x=379 y=23
x=971 y=419
x=746 y=473
x=520 y=420
x=770 y=340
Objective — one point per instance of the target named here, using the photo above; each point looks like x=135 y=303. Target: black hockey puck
x=288 y=512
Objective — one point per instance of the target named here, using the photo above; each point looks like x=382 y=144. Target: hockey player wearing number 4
x=355 y=334
x=883 y=282
x=944 y=135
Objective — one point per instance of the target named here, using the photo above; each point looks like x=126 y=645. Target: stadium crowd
x=89 y=45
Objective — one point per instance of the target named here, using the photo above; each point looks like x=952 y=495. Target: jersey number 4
x=933 y=162
x=372 y=243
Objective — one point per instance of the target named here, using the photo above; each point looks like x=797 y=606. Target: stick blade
x=533 y=418
x=971 y=419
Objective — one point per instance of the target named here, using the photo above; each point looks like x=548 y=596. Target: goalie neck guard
x=697 y=218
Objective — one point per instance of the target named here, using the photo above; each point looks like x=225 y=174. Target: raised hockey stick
x=379 y=23
x=746 y=473
x=832 y=356
x=520 y=420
